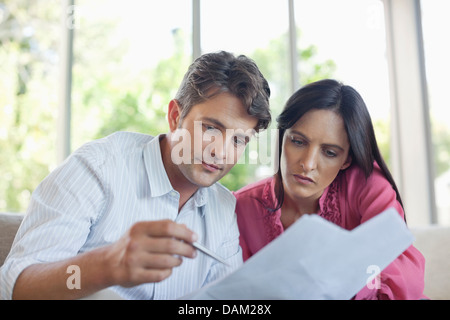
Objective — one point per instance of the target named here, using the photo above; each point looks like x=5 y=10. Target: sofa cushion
x=434 y=243
x=9 y=223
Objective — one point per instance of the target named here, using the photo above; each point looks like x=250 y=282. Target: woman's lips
x=303 y=179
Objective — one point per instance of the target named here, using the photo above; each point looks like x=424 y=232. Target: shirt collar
x=200 y=197
x=157 y=175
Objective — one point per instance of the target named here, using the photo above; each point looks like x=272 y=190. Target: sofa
x=9 y=223
x=433 y=241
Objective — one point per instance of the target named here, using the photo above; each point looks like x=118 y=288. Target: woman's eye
x=297 y=141
x=330 y=153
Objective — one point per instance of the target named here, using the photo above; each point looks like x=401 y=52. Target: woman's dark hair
x=218 y=72
x=347 y=102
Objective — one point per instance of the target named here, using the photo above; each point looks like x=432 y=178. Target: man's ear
x=347 y=163
x=173 y=115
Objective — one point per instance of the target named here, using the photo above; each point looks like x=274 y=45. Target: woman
x=330 y=165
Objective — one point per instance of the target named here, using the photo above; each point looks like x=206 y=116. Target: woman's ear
x=173 y=115
x=347 y=163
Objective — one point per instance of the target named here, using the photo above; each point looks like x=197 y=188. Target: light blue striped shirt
x=99 y=192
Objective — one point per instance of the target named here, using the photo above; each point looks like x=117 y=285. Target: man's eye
x=239 y=141
x=209 y=128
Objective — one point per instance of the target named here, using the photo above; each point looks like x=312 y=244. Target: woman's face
x=314 y=150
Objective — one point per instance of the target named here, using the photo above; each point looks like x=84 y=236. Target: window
x=128 y=61
x=437 y=51
x=354 y=39
x=29 y=44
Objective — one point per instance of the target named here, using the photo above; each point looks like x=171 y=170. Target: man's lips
x=303 y=179
x=210 y=167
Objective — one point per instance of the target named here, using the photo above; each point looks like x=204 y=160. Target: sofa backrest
x=9 y=223
x=434 y=242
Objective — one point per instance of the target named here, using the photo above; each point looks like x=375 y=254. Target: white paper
x=316 y=259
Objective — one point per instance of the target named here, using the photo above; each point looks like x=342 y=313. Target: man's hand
x=149 y=251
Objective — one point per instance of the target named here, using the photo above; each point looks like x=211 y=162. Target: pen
x=209 y=253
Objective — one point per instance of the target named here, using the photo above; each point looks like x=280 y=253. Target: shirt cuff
x=9 y=273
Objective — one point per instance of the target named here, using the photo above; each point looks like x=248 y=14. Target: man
x=122 y=212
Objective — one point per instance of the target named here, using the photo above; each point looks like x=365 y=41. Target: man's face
x=208 y=142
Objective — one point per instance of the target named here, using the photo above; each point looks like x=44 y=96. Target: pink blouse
x=349 y=201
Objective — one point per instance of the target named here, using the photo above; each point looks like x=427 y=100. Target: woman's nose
x=309 y=161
